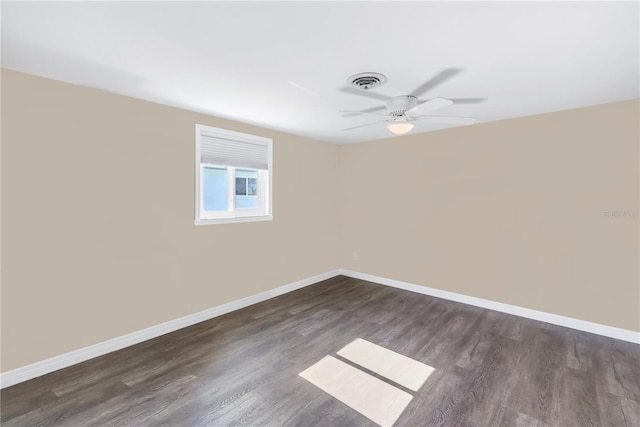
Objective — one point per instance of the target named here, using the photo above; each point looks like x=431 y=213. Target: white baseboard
x=43 y=367
x=568 y=322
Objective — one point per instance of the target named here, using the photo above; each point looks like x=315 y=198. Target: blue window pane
x=246 y=189
x=214 y=189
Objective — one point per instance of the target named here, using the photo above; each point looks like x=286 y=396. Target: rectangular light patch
x=389 y=364
x=382 y=403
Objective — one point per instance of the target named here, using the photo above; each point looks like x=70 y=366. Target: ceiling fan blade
x=366 y=94
x=466 y=100
x=447 y=120
x=353 y=113
x=361 y=126
x=435 y=81
x=368 y=110
x=430 y=105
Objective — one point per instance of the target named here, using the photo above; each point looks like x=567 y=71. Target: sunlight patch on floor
x=380 y=401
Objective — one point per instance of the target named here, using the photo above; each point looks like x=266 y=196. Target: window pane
x=214 y=189
x=241 y=186
x=252 y=186
x=246 y=188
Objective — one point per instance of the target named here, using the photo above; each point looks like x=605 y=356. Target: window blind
x=234 y=151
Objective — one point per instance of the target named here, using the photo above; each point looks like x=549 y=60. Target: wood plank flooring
x=491 y=369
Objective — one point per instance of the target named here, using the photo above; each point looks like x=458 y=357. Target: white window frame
x=265 y=183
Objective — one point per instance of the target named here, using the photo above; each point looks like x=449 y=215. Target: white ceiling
x=282 y=65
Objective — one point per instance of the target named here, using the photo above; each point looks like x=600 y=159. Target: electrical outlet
x=355 y=256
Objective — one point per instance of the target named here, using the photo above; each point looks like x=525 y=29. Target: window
x=233 y=176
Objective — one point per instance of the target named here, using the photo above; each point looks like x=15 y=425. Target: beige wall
x=97 y=219
x=510 y=211
x=98 y=197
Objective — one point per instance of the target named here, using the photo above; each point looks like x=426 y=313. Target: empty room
x=320 y=213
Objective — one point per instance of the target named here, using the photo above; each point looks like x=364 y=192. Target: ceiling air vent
x=366 y=81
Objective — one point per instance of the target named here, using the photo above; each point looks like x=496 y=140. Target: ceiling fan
x=403 y=111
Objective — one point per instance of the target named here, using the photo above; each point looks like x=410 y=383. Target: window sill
x=214 y=221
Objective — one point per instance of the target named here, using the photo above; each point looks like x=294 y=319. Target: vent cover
x=366 y=81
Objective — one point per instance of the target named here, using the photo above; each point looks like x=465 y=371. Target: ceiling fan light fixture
x=400 y=128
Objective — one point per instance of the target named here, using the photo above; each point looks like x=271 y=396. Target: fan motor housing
x=398 y=105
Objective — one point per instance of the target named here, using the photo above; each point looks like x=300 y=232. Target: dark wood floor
x=492 y=369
